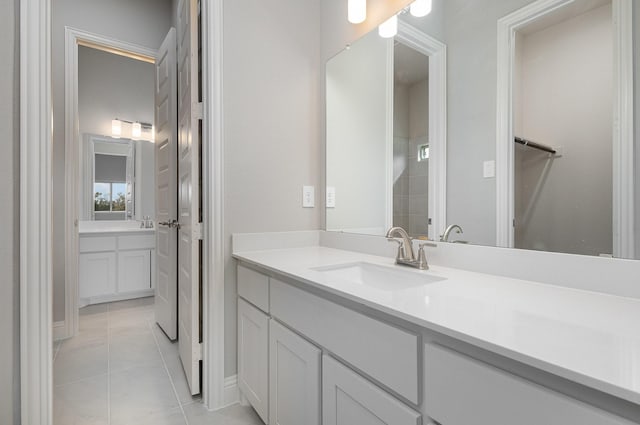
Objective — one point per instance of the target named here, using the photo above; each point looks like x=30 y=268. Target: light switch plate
x=308 y=197
x=331 y=197
x=489 y=169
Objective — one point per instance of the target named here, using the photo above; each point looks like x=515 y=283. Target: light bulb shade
x=136 y=130
x=389 y=28
x=116 y=128
x=420 y=8
x=356 y=11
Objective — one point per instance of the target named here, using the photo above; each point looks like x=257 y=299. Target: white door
x=166 y=138
x=189 y=235
x=294 y=378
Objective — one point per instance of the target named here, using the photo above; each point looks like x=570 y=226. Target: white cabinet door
x=350 y=399
x=134 y=270
x=294 y=378
x=97 y=274
x=253 y=357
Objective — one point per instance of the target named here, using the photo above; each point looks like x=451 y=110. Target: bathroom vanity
x=334 y=336
x=116 y=261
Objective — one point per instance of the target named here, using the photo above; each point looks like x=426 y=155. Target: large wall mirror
x=536 y=150
x=386 y=134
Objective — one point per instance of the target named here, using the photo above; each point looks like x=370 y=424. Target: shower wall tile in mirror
x=557 y=179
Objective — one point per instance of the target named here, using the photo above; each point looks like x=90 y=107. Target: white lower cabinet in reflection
x=253 y=357
x=350 y=399
x=294 y=378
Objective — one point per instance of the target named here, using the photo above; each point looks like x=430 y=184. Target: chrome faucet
x=405 y=255
x=447 y=232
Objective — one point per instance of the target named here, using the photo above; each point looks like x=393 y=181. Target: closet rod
x=535 y=145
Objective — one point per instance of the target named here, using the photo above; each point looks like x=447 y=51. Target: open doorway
x=565 y=128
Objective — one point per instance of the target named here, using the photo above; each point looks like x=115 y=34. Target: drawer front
x=97 y=243
x=348 y=398
x=137 y=242
x=461 y=391
x=254 y=287
x=386 y=353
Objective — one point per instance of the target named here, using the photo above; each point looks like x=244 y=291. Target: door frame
x=73 y=38
x=437 y=53
x=36 y=322
x=623 y=119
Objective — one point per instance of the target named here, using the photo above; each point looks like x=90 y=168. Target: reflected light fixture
x=420 y=8
x=116 y=128
x=389 y=28
x=356 y=11
x=136 y=130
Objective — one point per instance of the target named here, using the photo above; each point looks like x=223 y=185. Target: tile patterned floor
x=122 y=370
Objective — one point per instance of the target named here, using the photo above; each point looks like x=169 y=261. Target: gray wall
x=9 y=211
x=111 y=86
x=271 y=126
x=143 y=22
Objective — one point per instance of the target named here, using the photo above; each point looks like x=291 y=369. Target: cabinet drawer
x=137 y=242
x=461 y=391
x=384 y=352
x=97 y=243
x=254 y=287
x=348 y=398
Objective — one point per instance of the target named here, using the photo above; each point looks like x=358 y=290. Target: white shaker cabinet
x=134 y=270
x=115 y=266
x=349 y=399
x=97 y=274
x=253 y=357
x=294 y=378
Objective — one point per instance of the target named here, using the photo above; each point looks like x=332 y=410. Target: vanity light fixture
x=136 y=130
x=116 y=128
x=356 y=11
x=389 y=28
x=420 y=8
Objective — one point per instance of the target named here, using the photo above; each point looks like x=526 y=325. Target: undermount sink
x=378 y=277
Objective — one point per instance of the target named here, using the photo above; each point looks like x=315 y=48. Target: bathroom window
x=111 y=188
x=109 y=196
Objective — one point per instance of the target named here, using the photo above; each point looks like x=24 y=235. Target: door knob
x=170 y=224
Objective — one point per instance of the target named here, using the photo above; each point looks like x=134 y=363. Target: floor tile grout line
x=166 y=369
x=77 y=381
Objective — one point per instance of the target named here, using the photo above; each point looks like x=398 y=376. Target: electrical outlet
x=489 y=169
x=308 y=197
x=331 y=197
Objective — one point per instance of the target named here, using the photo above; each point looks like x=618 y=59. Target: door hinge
x=197 y=110
x=197 y=355
x=198 y=232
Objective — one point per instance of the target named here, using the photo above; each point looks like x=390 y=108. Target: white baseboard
x=231 y=392
x=59 y=331
x=82 y=302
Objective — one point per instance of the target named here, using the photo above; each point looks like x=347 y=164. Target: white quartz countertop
x=88 y=227
x=586 y=337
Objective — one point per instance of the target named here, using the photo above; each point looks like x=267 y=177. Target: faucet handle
x=400 y=247
x=422 y=257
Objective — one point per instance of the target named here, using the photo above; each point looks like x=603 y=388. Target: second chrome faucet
x=406 y=256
